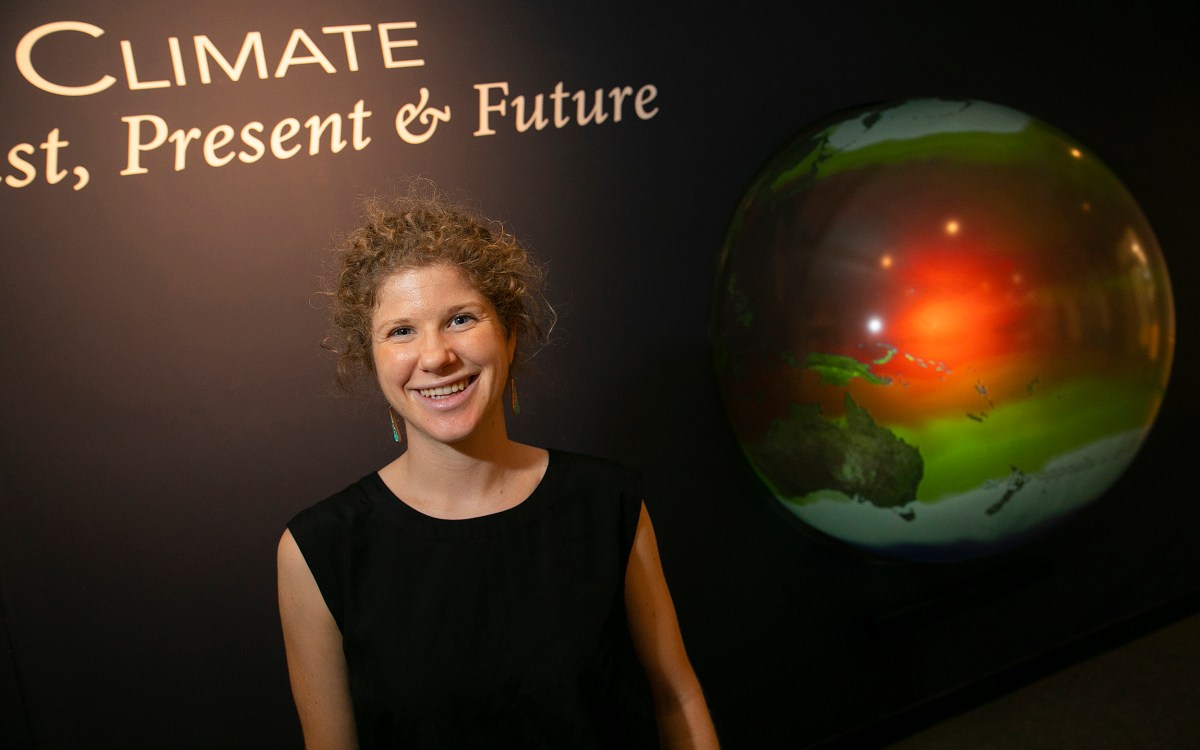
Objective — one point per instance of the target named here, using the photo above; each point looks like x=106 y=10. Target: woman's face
x=441 y=355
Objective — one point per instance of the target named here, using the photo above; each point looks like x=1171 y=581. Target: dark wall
x=166 y=407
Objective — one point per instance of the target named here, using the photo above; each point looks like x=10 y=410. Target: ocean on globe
x=940 y=328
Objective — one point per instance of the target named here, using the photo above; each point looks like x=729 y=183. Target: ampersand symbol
x=429 y=117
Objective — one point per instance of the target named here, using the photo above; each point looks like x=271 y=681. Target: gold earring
x=516 y=405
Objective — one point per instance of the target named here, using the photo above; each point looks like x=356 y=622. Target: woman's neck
x=465 y=481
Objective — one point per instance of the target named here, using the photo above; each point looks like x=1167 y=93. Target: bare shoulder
x=288 y=552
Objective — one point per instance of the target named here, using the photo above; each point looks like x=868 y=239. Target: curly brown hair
x=424 y=228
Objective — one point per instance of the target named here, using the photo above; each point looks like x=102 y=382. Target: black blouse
x=506 y=630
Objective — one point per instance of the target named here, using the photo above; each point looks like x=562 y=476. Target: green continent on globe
x=805 y=453
x=838 y=369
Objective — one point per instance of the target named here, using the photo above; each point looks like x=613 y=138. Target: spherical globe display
x=939 y=327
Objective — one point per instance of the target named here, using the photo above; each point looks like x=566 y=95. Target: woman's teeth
x=444 y=390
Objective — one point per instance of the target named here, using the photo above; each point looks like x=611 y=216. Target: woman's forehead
x=427 y=289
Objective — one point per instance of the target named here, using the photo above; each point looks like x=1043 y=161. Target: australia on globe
x=940 y=327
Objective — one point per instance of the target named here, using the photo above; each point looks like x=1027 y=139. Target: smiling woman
x=476 y=591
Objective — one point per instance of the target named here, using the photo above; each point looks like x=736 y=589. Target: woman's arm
x=316 y=664
x=683 y=718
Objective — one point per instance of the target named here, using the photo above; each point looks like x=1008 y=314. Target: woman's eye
x=461 y=319
x=401 y=331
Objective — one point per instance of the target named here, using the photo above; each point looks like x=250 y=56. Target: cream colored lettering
x=149 y=133
x=131 y=71
x=137 y=147
x=218 y=137
x=619 y=95
x=357 y=116
x=54 y=145
x=557 y=97
x=257 y=147
x=348 y=33
x=28 y=171
x=536 y=120
x=645 y=95
x=314 y=55
x=25 y=61
x=486 y=106
x=182 y=139
x=283 y=132
x=145 y=69
x=316 y=127
x=595 y=107
x=387 y=44
x=597 y=114
x=252 y=44
x=177 y=61
x=420 y=112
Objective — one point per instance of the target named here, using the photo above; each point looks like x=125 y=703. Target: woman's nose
x=437 y=354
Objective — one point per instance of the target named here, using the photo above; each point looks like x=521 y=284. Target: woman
x=475 y=592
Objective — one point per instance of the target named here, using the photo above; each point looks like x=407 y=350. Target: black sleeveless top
x=506 y=630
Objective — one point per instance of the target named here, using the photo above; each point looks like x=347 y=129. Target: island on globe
x=940 y=327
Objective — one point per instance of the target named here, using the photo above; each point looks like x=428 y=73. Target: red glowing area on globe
x=940 y=327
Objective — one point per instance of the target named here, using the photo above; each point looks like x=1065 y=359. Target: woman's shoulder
x=590 y=462
x=323 y=533
x=596 y=471
x=338 y=509
x=605 y=492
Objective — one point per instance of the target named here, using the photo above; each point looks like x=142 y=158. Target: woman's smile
x=441 y=395
x=443 y=390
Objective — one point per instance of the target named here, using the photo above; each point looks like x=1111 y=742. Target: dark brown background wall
x=165 y=407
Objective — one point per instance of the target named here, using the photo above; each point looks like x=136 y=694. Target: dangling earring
x=516 y=405
x=395 y=426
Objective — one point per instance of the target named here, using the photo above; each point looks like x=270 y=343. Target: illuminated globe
x=940 y=328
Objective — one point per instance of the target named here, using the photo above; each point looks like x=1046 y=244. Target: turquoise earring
x=395 y=427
